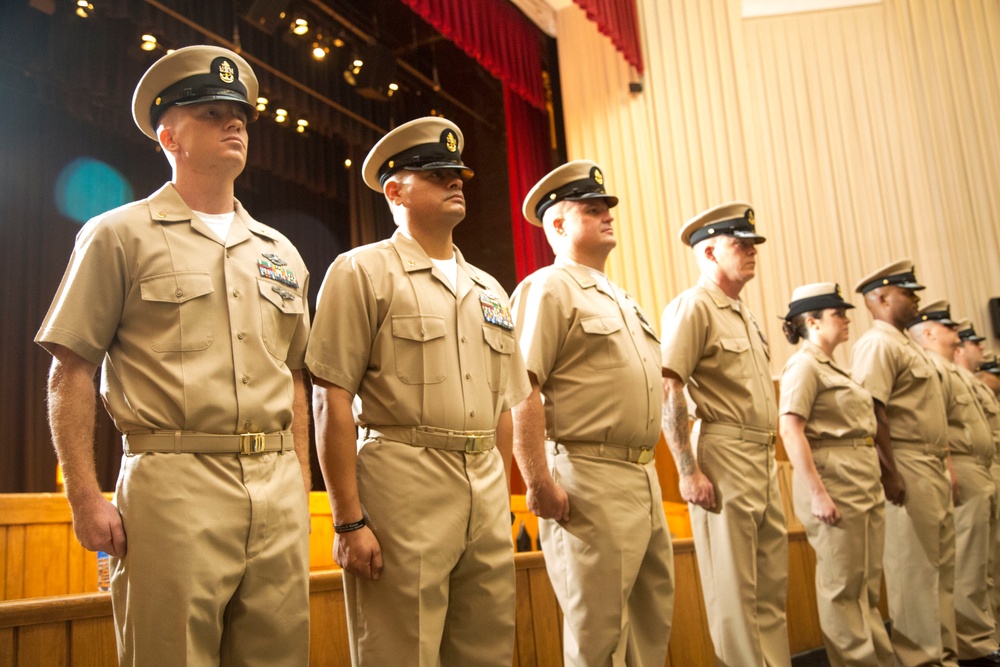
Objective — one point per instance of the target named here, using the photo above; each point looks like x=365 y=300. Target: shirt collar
x=583 y=275
x=414 y=257
x=167 y=205
x=720 y=298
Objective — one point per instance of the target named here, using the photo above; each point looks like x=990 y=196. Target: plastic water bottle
x=103 y=572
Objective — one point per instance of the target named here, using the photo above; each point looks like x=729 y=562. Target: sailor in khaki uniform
x=912 y=440
x=828 y=428
x=970 y=442
x=198 y=314
x=969 y=357
x=713 y=344
x=590 y=472
x=426 y=343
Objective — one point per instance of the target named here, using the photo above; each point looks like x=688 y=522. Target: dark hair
x=795 y=328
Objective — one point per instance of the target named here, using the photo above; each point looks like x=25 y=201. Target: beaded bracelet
x=349 y=527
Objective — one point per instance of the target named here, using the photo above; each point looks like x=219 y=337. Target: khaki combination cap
x=574 y=181
x=816 y=296
x=936 y=311
x=989 y=364
x=734 y=219
x=423 y=144
x=901 y=273
x=967 y=332
x=193 y=75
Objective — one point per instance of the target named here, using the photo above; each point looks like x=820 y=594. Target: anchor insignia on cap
x=451 y=142
x=226 y=72
x=598 y=177
x=750 y=216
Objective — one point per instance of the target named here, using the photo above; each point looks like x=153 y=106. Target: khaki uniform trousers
x=446 y=592
x=919 y=563
x=217 y=566
x=849 y=555
x=995 y=560
x=975 y=531
x=612 y=564
x=742 y=550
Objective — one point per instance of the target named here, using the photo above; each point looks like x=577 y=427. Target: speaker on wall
x=995 y=316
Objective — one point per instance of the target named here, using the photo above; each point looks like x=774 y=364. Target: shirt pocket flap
x=417 y=327
x=601 y=326
x=500 y=341
x=919 y=370
x=176 y=287
x=283 y=298
x=962 y=399
x=737 y=345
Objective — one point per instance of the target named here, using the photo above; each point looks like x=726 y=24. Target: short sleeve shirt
x=968 y=432
x=901 y=377
x=194 y=334
x=832 y=403
x=989 y=403
x=720 y=352
x=595 y=354
x=390 y=329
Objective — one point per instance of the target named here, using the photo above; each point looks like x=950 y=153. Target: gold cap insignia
x=553 y=196
x=839 y=293
x=392 y=163
x=451 y=142
x=226 y=72
x=158 y=100
x=598 y=177
x=750 y=216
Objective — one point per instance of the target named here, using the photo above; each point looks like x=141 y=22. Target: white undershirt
x=449 y=267
x=603 y=279
x=218 y=222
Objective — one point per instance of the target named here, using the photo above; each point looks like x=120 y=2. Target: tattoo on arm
x=676 y=429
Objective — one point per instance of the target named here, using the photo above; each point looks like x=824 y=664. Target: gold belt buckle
x=252 y=443
x=645 y=456
x=472 y=444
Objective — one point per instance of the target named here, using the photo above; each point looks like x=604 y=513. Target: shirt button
x=240 y=335
x=236 y=293
x=179 y=293
x=472 y=414
x=468 y=376
x=161 y=214
x=462 y=339
x=246 y=380
x=246 y=424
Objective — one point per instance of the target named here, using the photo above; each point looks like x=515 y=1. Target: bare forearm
x=300 y=427
x=793 y=435
x=676 y=427
x=529 y=438
x=72 y=399
x=883 y=442
x=336 y=445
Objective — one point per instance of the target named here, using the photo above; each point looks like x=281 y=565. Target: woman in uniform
x=827 y=424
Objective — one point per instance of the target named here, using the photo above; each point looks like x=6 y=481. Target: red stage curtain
x=527 y=162
x=617 y=19
x=497 y=35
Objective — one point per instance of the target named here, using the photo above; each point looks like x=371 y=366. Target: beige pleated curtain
x=860 y=135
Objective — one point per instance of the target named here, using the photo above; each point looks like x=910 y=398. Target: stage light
x=83 y=8
x=319 y=51
x=300 y=27
x=148 y=43
x=280 y=115
x=300 y=129
x=348 y=163
x=302 y=122
x=339 y=43
x=261 y=104
x=358 y=63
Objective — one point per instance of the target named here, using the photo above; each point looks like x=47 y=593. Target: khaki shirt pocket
x=419 y=346
x=177 y=311
x=279 y=316
x=604 y=344
x=500 y=346
x=736 y=357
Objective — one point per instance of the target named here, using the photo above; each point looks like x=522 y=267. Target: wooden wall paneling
x=91 y=641
x=803 y=618
x=545 y=618
x=690 y=643
x=43 y=644
x=15 y=563
x=7 y=652
x=524 y=631
x=328 y=639
x=46 y=560
x=3 y=565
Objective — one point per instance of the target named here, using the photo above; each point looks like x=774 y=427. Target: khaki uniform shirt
x=721 y=354
x=901 y=377
x=595 y=355
x=832 y=403
x=194 y=334
x=990 y=405
x=389 y=329
x=968 y=432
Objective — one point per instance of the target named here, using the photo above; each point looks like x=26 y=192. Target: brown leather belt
x=606 y=450
x=470 y=442
x=761 y=436
x=182 y=442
